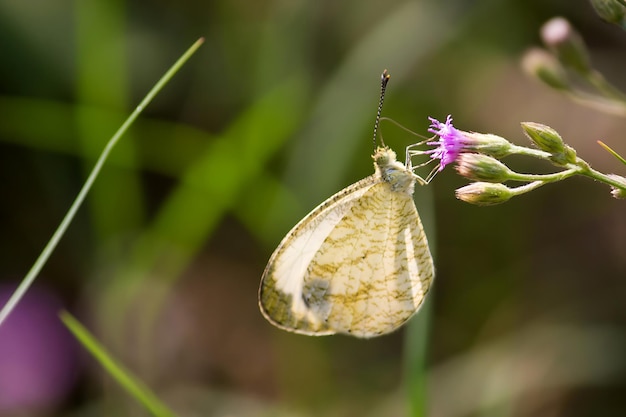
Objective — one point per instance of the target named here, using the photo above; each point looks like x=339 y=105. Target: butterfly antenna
x=384 y=79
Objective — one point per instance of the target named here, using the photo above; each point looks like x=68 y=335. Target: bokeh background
x=271 y=116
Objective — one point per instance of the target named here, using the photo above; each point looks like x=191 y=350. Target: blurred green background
x=271 y=116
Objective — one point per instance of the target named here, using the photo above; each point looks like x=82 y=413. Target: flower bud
x=611 y=11
x=480 y=167
x=484 y=193
x=546 y=138
x=567 y=44
x=543 y=65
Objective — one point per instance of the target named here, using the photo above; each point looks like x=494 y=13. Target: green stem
x=580 y=168
x=415 y=358
x=598 y=176
x=603 y=104
x=522 y=150
x=527 y=187
x=60 y=231
x=604 y=87
x=557 y=176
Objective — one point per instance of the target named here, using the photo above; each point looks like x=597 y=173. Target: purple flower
x=450 y=144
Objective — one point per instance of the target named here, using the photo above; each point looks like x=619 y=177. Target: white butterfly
x=359 y=263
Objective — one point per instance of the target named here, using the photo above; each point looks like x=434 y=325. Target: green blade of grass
x=129 y=382
x=60 y=231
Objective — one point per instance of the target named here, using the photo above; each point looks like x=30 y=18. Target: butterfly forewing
x=280 y=293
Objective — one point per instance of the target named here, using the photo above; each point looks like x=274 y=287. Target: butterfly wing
x=358 y=264
x=382 y=272
x=280 y=293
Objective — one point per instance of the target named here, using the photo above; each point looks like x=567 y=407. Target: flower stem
x=598 y=176
x=528 y=187
x=522 y=150
x=604 y=104
x=604 y=87
x=557 y=176
x=579 y=168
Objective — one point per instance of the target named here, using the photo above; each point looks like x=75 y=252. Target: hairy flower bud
x=480 y=167
x=484 y=193
x=487 y=143
x=547 y=139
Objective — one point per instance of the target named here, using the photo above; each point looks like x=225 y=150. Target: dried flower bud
x=484 y=193
x=480 y=167
x=619 y=193
x=543 y=65
x=567 y=44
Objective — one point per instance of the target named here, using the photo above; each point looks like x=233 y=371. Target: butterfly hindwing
x=373 y=270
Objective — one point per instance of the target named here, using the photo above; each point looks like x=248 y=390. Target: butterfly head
x=393 y=172
x=384 y=156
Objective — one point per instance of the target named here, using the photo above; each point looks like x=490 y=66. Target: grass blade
x=60 y=231
x=129 y=382
x=612 y=152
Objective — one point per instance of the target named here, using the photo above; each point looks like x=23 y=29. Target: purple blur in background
x=38 y=355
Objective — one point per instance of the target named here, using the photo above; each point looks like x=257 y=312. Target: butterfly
x=359 y=263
